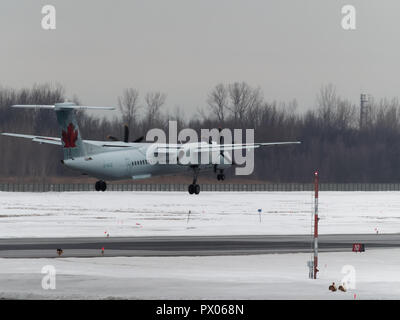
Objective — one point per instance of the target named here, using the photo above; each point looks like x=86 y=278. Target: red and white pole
x=316 y=182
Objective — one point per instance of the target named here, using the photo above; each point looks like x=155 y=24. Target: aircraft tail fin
x=72 y=143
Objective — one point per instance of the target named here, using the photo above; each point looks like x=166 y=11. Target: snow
x=212 y=213
x=273 y=276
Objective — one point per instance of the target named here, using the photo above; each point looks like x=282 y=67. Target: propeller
x=126 y=136
x=126 y=133
x=221 y=141
x=112 y=138
x=221 y=152
x=140 y=139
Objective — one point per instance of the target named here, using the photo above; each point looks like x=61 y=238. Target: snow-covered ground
x=212 y=213
x=276 y=276
x=282 y=276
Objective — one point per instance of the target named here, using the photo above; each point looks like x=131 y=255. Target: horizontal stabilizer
x=40 y=139
x=61 y=106
x=57 y=141
x=33 y=106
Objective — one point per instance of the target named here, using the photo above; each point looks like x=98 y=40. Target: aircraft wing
x=238 y=146
x=214 y=147
x=40 y=139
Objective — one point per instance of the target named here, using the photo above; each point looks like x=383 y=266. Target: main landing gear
x=100 y=185
x=220 y=177
x=194 y=188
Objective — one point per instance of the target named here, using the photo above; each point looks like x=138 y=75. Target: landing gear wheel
x=100 y=186
x=221 y=177
x=103 y=186
x=194 y=189
x=191 y=188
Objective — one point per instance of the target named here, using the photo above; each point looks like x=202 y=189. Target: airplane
x=120 y=160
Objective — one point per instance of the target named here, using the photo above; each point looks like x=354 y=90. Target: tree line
x=332 y=140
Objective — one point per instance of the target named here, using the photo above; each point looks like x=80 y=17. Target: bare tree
x=333 y=110
x=243 y=98
x=327 y=101
x=129 y=106
x=154 y=102
x=331 y=138
x=217 y=101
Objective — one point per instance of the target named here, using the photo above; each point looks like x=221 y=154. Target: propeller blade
x=112 y=138
x=220 y=140
x=126 y=133
x=232 y=157
x=140 y=139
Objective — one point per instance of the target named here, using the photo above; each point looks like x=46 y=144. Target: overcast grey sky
x=185 y=47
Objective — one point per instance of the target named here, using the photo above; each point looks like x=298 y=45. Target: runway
x=188 y=245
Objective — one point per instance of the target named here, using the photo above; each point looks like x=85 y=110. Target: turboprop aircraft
x=120 y=160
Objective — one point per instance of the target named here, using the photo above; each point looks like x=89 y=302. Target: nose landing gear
x=100 y=185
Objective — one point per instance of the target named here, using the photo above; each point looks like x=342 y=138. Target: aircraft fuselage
x=129 y=163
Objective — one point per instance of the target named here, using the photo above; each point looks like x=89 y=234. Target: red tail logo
x=69 y=138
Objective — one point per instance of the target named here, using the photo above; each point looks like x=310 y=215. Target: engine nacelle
x=188 y=155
